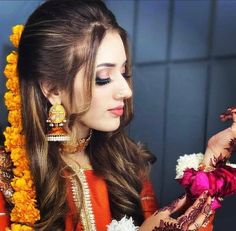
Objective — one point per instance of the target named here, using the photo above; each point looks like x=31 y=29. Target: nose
x=123 y=91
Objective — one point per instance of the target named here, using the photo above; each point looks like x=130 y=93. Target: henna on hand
x=167 y=226
x=189 y=218
x=171 y=206
x=208 y=213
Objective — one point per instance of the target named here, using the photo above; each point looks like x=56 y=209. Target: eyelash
x=101 y=81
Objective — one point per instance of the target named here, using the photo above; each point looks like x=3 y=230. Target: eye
x=103 y=77
x=102 y=81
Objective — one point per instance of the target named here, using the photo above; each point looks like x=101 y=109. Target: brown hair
x=60 y=38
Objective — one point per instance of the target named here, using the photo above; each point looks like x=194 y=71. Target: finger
x=174 y=206
x=209 y=220
x=202 y=217
x=192 y=213
x=198 y=204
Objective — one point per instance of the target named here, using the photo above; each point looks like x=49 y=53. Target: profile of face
x=109 y=87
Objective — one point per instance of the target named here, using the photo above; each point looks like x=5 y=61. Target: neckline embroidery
x=86 y=210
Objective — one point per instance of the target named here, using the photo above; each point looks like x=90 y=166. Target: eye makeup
x=101 y=81
x=103 y=76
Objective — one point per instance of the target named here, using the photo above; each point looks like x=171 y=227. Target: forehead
x=111 y=49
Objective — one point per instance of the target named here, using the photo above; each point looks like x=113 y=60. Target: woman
x=74 y=62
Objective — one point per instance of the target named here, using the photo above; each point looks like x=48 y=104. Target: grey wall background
x=184 y=57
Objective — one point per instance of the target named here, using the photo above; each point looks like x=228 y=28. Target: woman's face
x=110 y=86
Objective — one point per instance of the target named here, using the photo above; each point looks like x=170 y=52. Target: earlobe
x=51 y=92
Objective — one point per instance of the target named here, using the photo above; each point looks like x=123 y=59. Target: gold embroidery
x=147 y=198
x=86 y=212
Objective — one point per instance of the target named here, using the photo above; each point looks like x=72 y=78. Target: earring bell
x=56 y=120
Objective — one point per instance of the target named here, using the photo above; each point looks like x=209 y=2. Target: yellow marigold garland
x=24 y=213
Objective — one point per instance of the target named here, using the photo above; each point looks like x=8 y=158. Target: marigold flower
x=24 y=211
x=18 y=227
x=10 y=71
x=12 y=101
x=12 y=57
x=15 y=37
x=21 y=183
x=13 y=85
x=14 y=118
x=13 y=138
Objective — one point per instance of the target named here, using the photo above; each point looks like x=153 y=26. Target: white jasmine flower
x=188 y=161
x=191 y=161
x=231 y=165
x=123 y=225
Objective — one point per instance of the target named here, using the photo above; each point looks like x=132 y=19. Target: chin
x=109 y=127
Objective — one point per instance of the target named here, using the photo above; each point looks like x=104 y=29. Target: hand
x=195 y=217
x=221 y=145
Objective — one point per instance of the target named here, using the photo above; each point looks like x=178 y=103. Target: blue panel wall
x=151 y=31
x=124 y=14
x=190 y=29
x=148 y=115
x=224 y=28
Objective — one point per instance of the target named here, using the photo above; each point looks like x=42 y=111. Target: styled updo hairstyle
x=60 y=38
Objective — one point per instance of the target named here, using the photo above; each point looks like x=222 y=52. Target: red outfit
x=4 y=219
x=100 y=202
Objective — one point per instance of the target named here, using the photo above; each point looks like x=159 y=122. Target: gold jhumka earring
x=56 y=120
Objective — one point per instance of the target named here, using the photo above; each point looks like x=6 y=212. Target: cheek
x=98 y=117
x=97 y=108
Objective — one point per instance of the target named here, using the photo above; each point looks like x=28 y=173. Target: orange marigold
x=13 y=85
x=13 y=138
x=15 y=37
x=24 y=213
x=10 y=71
x=18 y=227
x=14 y=118
x=12 y=57
x=12 y=101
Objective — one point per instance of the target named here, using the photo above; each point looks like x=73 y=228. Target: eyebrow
x=110 y=64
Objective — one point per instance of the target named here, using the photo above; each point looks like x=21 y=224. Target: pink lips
x=118 y=111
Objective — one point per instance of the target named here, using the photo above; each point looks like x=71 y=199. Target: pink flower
x=215 y=204
x=219 y=183
x=200 y=183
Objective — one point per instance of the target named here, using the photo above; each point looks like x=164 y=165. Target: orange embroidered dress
x=99 y=202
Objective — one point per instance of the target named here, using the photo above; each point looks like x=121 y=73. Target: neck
x=80 y=137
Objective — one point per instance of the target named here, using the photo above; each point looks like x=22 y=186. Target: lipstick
x=117 y=111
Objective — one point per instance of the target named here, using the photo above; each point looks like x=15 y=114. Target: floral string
x=24 y=213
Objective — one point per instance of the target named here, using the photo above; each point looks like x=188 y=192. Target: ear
x=51 y=92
